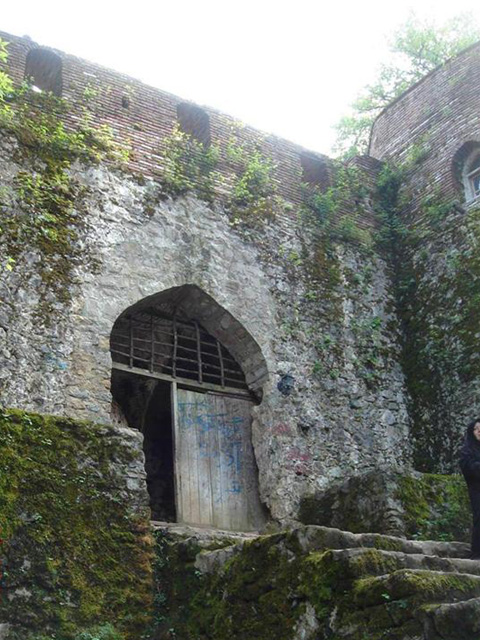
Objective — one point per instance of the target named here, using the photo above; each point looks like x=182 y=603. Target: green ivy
x=36 y=120
x=6 y=84
x=254 y=193
x=43 y=214
x=337 y=210
x=189 y=165
x=255 y=180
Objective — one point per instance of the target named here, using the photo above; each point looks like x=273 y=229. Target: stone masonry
x=324 y=313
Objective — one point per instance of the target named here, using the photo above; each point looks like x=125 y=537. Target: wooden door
x=216 y=474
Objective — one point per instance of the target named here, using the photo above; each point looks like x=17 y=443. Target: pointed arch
x=186 y=374
x=188 y=304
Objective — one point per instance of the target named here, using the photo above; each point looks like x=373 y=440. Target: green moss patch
x=42 y=212
x=76 y=553
x=421 y=586
x=436 y=507
x=252 y=597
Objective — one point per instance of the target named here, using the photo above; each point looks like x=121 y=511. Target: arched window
x=43 y=70
x=471 y=175
x=466 y=169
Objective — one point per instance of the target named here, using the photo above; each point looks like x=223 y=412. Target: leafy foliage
x=255 y=181
x=417 y=47
x=189 y=165
x=254 y=197
x=6 y=85
x=337 y=209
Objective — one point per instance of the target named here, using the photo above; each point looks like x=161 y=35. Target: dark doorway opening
x=180 y=346
x=147 y=406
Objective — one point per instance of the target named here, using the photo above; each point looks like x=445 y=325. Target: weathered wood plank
x=186 y=382
x=216 y=462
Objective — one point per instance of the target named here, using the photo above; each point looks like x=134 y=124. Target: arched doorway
x=187 y=375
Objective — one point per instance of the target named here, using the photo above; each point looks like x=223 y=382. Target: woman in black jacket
x=470 y=466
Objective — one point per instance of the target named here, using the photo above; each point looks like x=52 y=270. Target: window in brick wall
x=472 y=176
x=43 y=70
x=314 y=171
x=194 y=121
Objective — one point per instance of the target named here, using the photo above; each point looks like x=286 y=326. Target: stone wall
x=441 y=277
x=74 y=523
x=426 y=136
x=319 y=307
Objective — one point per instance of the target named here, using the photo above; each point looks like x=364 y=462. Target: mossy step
x=363 y=562
x=452 y=621
x=312 y=538
x=389 y=621
x=316 y=538
x=205 y=537
x=417 y=586
x=188 y=530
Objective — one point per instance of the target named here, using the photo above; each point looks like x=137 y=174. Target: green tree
x=416 y=48
x=6 y=85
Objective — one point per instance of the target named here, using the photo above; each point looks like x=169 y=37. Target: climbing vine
x=254 y=194
x=41 y=212
x=437 y=284
x=338 y=209
x=189 y=165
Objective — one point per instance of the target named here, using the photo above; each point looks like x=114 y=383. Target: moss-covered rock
x=420 y=506
x=275 y=587
x=436 y=507
x=76 y=542
x=252 y=596
x=419 y=586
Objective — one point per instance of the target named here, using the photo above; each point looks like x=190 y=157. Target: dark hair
x=472 y=424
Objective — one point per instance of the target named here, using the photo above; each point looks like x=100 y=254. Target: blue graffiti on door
x=222 y=429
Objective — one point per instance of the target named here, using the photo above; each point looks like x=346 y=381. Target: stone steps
x=375 y=562
x=313 y=537
x=420 y=590
x=452 y=621
x=433 y=555
x=386 y=586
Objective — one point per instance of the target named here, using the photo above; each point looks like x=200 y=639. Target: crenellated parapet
x=145 y=120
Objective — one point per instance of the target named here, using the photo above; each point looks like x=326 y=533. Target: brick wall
x=439 y=114
x=142 y=117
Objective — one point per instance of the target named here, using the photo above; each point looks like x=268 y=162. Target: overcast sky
x=291 y=69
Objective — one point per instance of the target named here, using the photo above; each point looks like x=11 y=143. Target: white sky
x=291 y=69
